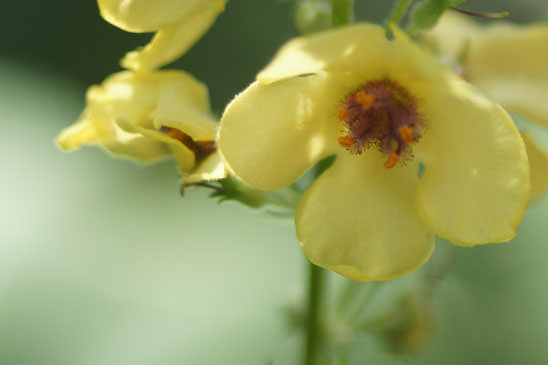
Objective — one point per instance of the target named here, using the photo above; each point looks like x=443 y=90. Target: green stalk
x=342 y=12
x=398 y=11
x=313 y=327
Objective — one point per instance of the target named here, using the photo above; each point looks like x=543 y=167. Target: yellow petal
x=185 y=106
x=451 y=34
x=510 y=64
x=126 y=112
x=172 y=40
x=185 y=157
x=211 y=168
x=359 y=219
x=360 y=48
x=111 y=137
x=271 y=134
x=538 y=166
x=476 y=182
x=507 y=62
x=136 y=96
x=148 y=16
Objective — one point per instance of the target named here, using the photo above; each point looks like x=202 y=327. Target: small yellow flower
x=178 y=25
x=507 y=62
x=147 y=116
x=384 y=108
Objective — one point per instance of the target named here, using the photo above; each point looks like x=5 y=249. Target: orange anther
x=406 y=133
x=365 y=99
x=342 y=113
x=392 y=160
x=346 y=141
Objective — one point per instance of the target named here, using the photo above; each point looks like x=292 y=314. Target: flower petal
x=362 y=48
x=212 y=168
x=136 y=96
x=148 y=16
x=506 y=61
x=173 y=40
x=359 y=219
x=185 y=157
x=451 y=35
x=125 y=115
x=112 y=138
x=509 y=63
x=476 y=181
x=271 y=134
x=185 y=105
x=538 y=166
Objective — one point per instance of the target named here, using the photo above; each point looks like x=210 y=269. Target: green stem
x=342 y=12
x=398 y=11
x=313 y=330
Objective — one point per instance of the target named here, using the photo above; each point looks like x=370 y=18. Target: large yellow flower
x=384 y=108
x=147 y=116
x=178 y=25
x=510 y=64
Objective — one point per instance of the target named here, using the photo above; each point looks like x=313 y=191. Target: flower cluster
x=421 y=148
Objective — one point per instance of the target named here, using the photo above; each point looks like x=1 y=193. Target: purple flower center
x=381 y=113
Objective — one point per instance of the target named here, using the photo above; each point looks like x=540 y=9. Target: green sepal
x=232 y=189
x=279 y=203
x=426 y=14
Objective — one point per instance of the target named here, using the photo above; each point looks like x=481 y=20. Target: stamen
x=342 y=114
x=380 y=114
x=392 y=160
x=175 y=134
x=201 y=149
x=346 y=141
x=364 y=99
x=406 y=133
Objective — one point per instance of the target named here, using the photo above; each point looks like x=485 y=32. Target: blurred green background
x=102 y=262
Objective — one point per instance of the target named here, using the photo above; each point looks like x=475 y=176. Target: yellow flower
x=384 y=108
x=147 y=116
x=178 y=25
x=507 y=62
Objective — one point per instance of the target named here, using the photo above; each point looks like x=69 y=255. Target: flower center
x=381 y=113
x=201 y=149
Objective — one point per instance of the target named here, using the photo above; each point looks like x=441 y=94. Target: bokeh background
x=102 y=262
